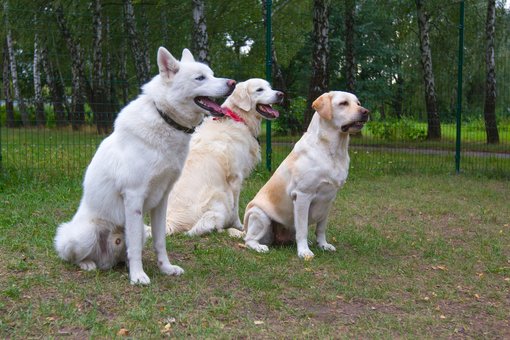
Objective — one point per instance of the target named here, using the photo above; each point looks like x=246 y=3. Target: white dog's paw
x=327 y=247
x=260 y=248
x=169 y=269
x=139 y=278
x=88 y=265
x=305 y=254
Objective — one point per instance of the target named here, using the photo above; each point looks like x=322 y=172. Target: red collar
x=229 y=113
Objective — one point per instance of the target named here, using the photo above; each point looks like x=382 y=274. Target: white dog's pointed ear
x=323 y=106
x=187 y=56
x=241 y=97
x=168 y=65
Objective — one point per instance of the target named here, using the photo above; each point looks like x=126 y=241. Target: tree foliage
x=387 y=71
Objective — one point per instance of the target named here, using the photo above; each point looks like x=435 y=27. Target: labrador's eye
x=344 y=103
x=260 y=89
x=200 y=78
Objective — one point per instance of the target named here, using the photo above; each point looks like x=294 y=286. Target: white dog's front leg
x=134 y=229
x=301 y=207
x=321 y=236
x=158 y=219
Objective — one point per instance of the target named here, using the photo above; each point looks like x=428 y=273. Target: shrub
x=393 y=129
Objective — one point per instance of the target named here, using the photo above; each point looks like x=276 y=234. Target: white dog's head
x=343 y=110
x=255 y=95
x=183 y=87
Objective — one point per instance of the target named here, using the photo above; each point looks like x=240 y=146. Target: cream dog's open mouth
x=210 y=105
x=354 y=125
x=267 y=111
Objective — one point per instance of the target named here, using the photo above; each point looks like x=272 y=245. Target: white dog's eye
x=260 y=89
x=344 y=103
x=200 y=78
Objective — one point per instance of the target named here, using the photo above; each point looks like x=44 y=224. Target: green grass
x=420 y=254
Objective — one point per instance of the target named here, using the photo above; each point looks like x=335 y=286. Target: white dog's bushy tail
x=74 y=243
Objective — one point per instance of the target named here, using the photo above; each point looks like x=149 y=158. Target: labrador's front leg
x=301 y=207
x=158 y=220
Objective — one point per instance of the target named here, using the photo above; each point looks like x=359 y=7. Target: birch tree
x=97 y=92
x=433 y=122
x=9 y=105
x=76 y=52
x=40 y=117
x=320 y=57
x=13 y=70
x=142 y=62
x=350 y=65
x=200 y=37
x=489 y=111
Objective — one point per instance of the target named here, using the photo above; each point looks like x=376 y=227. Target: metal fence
x=390 y=143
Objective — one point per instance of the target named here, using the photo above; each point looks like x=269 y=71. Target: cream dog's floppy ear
x=323 y=106
x=242 y=97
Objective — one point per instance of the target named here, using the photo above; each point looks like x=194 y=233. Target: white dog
x=304 y=186
x=222 y=154
x=134 y=168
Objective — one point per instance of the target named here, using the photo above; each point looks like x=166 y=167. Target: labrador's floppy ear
x=168 y=65
x=323 y=106
x=187 y=56
x=241 y=97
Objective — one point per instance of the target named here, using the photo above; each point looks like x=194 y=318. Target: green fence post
x=459 y=87
x=269 y=150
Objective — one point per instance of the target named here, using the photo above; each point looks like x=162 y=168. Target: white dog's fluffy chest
x=137 y=158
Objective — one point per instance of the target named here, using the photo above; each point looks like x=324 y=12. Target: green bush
x=393 y=129
x=291 y=119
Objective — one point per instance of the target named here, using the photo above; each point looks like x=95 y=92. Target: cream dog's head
x=255 y=95
x=342 y=109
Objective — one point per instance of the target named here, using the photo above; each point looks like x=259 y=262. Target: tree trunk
x=97 y=92
x=491 y=126
x=40 y=117
x=320 y=76
x=56 y=89
x=141 y=64
x=398 y=98
x=9 y=105
x=78 y=100
x=110 y=82
x=433 y=122
x=350 y=64
x=200 y=38
x=123 y=73
x=25 y=120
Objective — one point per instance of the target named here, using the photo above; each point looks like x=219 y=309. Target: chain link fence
x=60 y=141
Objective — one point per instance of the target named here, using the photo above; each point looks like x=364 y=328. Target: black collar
x=173 y=123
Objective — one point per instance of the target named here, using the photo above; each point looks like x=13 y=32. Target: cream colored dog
x=222 y=154
x=304 y=186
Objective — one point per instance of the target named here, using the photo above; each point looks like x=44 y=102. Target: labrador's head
x=342 y=109
x=256 y=95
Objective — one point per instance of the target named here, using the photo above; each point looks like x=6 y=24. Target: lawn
x=420 y=255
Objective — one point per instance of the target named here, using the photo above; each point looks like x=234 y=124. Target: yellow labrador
x=304 y=186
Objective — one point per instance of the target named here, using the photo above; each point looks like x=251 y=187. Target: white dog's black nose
x=280 y=96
